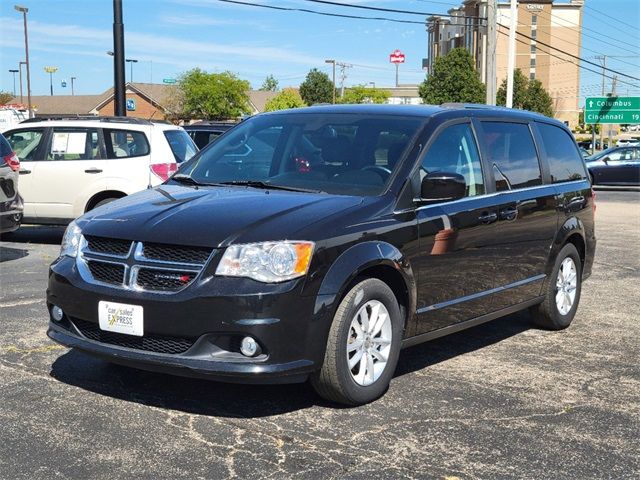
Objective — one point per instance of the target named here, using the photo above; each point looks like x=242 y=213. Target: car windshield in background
x=341 y=154
x=181 y=144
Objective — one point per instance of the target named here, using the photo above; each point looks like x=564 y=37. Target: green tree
x=213 y=96
x=5 y=97
x=362 y=94
x=316 y=88
x=527 y=95
x=270 y=84
x=288 y=98
x=520 y=86
x=538 y=99
x=454 y=79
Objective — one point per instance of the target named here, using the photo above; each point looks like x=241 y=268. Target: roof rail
x=473 y=106
x=111 y=119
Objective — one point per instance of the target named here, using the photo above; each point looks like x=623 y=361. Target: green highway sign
x=612 y=110
x=169 y=80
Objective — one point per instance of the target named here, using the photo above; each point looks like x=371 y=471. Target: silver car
x=10 y=200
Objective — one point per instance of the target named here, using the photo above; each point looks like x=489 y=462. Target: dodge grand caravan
x=317 y=243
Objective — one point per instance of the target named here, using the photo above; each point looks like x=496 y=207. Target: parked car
x=74 y=165
x=628 y=142
x=318 y=242
x=12 y=115
x=10 y=200
x=203 y=133
x=615 y=166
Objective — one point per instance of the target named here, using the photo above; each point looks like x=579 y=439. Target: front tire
x=363 y=345
x=563 y=290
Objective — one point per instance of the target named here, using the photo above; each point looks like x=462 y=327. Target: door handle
x=93 y=170
x=24 y=172
x=509 y=214
x=487 y=217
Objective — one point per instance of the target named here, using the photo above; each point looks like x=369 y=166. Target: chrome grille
x=131 y=265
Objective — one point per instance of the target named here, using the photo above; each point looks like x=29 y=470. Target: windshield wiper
x=267 y=185
x=186 y=179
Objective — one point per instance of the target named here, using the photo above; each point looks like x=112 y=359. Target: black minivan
x=316 y=243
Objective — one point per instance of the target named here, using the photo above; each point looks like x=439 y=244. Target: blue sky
x=171 y=36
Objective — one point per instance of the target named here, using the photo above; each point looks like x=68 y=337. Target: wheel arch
x=102 y=195
x=571 y=231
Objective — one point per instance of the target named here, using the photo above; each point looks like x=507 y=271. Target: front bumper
x=211 y=314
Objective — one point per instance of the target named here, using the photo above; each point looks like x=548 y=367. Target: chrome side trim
x=475 y=296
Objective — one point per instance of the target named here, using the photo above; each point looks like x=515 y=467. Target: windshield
x=598 y=156
x=181 y=144
x=343 y=154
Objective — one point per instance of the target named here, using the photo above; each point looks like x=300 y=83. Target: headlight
x=268 y=262
x=71 y=240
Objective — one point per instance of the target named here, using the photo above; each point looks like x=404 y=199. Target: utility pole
x=490 y=52
x=118 y=60
x=604 y=66
x=343 y=75
x=333 y=63
x=511 y=63
x=24 y=11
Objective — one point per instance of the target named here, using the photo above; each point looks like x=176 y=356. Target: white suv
x=68 y=167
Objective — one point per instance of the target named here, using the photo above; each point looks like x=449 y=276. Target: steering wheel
x=384 y=172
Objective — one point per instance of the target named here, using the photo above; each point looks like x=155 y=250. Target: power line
x=634 y=27
x=315 y=12
x=538 y=42
x=579 y=66
x=388 y=10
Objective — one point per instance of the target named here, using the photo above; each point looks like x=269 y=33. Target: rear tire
x=366 y=333
x=563 y=290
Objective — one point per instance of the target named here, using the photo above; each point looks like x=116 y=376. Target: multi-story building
x=548 y=32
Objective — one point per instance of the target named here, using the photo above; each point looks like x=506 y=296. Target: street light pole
x=51 y=71
x=131 y=61
x=24 y=11
x=118 y=60
x=20 y=68
x=333 y=63
x=72 y=79
x=14 y=80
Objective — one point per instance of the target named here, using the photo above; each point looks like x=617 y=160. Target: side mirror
x=441 y=187
x=606 y=159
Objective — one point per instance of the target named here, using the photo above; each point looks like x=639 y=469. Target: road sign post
x=615 y=110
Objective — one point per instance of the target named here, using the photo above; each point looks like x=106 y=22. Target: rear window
x=565 y=162
x=512 y=154
x=5 y=148
x=125 y=143
x=181 y=145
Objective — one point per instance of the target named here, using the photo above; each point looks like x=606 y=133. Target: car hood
x=213 y=217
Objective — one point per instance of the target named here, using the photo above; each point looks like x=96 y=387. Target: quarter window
x=25 y=143
x=125 y=143
x=512 y=154
x=565 y=163
x=74 y=144
x=455 y=151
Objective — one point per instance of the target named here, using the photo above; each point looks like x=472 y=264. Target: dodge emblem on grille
x=167 y=276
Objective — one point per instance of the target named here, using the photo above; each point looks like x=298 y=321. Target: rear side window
x=25 y=143
x=74 y=144
x=512 y=154
x=125 y=143
x=565 y=163
x=181 y=144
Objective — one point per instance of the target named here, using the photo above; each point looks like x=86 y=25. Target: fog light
x=57 y=313
x=249 y=347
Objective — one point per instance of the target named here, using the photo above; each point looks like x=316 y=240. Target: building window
x=533 y=49
x=534 y=34
x=533 y=63
x=534 y=20
x=532 y=76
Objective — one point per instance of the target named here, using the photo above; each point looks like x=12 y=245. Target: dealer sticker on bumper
x=120 y=318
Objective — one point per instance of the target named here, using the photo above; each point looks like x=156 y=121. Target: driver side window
x=455 y=151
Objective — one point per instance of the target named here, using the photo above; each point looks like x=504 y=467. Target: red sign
x=396 y=57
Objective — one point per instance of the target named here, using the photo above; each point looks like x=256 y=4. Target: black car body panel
x=450 y=264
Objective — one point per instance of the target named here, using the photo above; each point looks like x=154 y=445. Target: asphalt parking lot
x=501 y=400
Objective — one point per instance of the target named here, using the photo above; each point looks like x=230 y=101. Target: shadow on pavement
x=47 y=234
x=211 y=398
x=7 y=253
